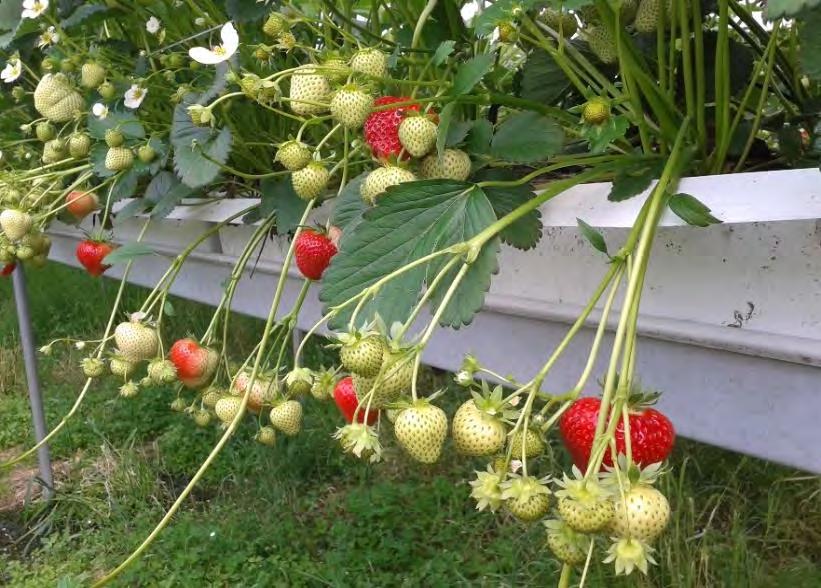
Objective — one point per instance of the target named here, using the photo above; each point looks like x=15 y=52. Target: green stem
x=420 y=22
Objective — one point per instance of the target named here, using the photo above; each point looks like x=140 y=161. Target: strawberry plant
x=436 y=131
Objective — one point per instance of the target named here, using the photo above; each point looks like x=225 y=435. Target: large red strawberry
x=7 y=269
x=651 y=433
x=91 y=252
x=382 y=126
x=313 y=252
x=347 y=401
x=195 y=364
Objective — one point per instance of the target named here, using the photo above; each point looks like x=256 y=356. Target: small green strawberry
x=162 y=371
x=453 y=165
x=309 y=91
x=584 y=505
x=45 y=131
x=596 y=111
x=363 y=386
x=54 y=151
x=119 y=158
x=202 y=418
x=417 y=135
x=79 y=145
x=394 y=377
x=136 y=341
x=293 y=155
x=310 y=181
x=362 y=352
x=381 y=179
x=421 y=430
x=648 y=15
x=371 y=62
x=602 y=43
x=566 y=544
x=476 y=432
x=15 y=223
x=129 y=390
x=275 y=25
x=227 y=408
x=92 y=75
x=266 y=436
x=351 y=105
x=114 y=138
x=323 y=386
x=107 y=90
x=92 y=367
x=508 y=33
x=527 y=498
x=563 y=23
x=146 y=153
x=642 y=513
x=121 y=367
x=533 y=445
x=287 y=417
x=211 y=396
x=286 y=40
x=299 y=381
x=178 y=405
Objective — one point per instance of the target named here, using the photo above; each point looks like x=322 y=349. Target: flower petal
x=206 y=56
x=230 y=38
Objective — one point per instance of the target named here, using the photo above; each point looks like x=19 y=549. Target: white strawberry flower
x=34 y=8
x=100 y=110
x=153 y=25
x=12 y=71
x=218 y=53
x=199 y=21
x=49 y=37
x=134 y=96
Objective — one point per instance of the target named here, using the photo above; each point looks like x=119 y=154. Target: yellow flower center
x=219 y=50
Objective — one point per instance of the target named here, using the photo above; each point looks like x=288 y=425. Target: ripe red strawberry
x=81 y=204
x=195 y=364
x=313 y=253
x=382 y=126
x=651 y=433
x=90 y=253
x=7 y=269
x=347 y=401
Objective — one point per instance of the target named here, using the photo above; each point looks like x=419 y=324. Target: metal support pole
x=30 y=360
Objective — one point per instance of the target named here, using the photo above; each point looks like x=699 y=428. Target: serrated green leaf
x=165 y=192
x=168 y=308
x=82 y=14
x=443 y=51
x=11 y=12
x=191 y=142
x=457 y=132
x=245 y=11
x=778 y=8
x=526 y=232
x=471 y=73
x=479 y=137
x=132 y=209
x=97 y=158
x=595 y=238
x=601 y=136
x=126 y=185
x=444 y=127
x=278 y=197
x=126 y=252
x=500 y=11
x=526 y=137
x=691 y=210
x=412 y=220
x=128 y=124
x=809 y=36
x=349 y=206
x=634 y=180
x=542 y=80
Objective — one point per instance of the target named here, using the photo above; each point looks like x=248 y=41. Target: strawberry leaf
x=691 y=210
x=348 y=207
x=595 y=238
x=471 y=73
x=524 y=233
x=412 y=220
x=128 y=124
x=165 y=191
x=278 y=197
x=526 y=137
x=810 y=43
x=198 y=151
x=634 y=180
x=126 y=252
x=777 y=8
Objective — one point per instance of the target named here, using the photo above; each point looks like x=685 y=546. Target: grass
x=303 y=514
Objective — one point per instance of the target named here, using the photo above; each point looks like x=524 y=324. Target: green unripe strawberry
x=371 y=62
x=79 y=144
x=351 y=106
x=67 y=66
x=275 y=25
x=602 y=43
x=45 y=131
x=362 y=355
x=286 y=40
x=227 y=408
x=381 y=179
x=309 y=91
x=567 y=545
x=146 y=153
x=15 y=223
x=56 y=99
x=122 y=367
x=561 y=22
x=642 y=513
x=202 y=418
x=395 y=377
x=162 y=371
x=323 y=386
x=107 y=90
x=92 y=75
x=287 y=417
x=293 y=155
x=129 y=390
x=417 y=134
x=298 y=381
x=526 y=498
x=453 y=165
x=114 y=138
x=119 y=158
x=310 y=181
x=421 y=431
x=175 y=61
x=596 y=111
x=211 y=396
x=508 y=33
x=24 y=252
x=54 y=151
x=648 y=15
x=18 y=93
x=530 y=442
x=49 y=64
x=92 y=367
x=178 y=405
x=477 y=433
x=266 y=436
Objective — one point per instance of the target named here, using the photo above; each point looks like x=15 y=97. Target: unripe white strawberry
x=15 y=223
x=54 y=151
x=309 y=91
x=351 y=106
x=293 y=155
x=417 y=135
x=92 y=367
x=114 y=138
x=287 y=417
x=275 y=25
x=371 y=62
x=453 y=165
x=421 y=430
x=381 y=179
x=45 y=131
x=335 y=69
x=266 y=436
x=146 y=153
x=92 y=75
x=119 y=158
x=310 y=181
x=79 y=144
x=227 y=408
x=56 y=99
x=136 y=341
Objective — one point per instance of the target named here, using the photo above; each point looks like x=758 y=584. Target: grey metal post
x=30 y=360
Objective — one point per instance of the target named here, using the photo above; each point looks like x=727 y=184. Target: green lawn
x=303 y=514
